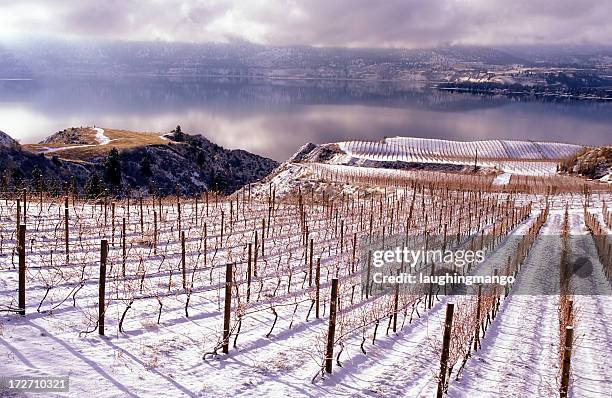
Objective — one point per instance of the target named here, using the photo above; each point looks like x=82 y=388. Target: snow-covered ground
x=160 y=350
x=502 y=179
x=59 y=149
x=520 y=352
x=100 y=137
x=517 y=157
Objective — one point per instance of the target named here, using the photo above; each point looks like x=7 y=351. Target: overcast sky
x=371 y=23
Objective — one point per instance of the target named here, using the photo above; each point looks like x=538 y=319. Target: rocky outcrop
x=70 y=136
x=595 y=163
x=189 y=164
x=6 y=141
x=192 y=163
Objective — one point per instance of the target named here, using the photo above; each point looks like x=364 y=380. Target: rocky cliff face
x=186 y=163
x=20 y=168
x=192 y=163
x=595 y=163
x=6 y=141
x=69 y=136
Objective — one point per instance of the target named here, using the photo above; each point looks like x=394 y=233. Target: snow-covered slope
x=517 y=157
x=514 y=157
x=498 y=160
x=492 y=149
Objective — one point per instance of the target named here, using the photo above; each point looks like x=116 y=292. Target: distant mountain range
x=48 y=57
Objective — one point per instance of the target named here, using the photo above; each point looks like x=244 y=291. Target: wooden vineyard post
x=196 y=210
x=155 y=232
x=477 y=332
x=141 y=218
x=248 y=294
x=222 y=224
x=25 y=206
x=228 y=308
x=18 y=216
x=496 y=297
x=318 y=286
x=354 y=252
x=22 y=270
x=105 y=208
x=255 y=256
x=66 y=227
x=341 y=236
x=448 y=326
x=310 y=264
x=367 y=286
x=205 y=242
x=263 y=236
x=267 y=226
x=431 y=286
x=333 y=305
x=567 y=356
x=183 y=262
x=123 y=250
x=179 y=218
x=102 y=287
x=113 y=224
x=395 y=305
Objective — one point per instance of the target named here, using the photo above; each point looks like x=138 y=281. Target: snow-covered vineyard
x=186 y=280
x=518 y=157
x=501 y=183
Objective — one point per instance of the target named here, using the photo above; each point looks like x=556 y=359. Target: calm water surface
x=275 y=117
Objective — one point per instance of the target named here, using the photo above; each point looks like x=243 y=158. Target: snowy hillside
x=517 y=157
x=503 y=164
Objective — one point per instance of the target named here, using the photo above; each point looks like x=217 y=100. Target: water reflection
x=274 y=118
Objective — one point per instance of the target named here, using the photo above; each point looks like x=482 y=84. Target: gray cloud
x=397 y=23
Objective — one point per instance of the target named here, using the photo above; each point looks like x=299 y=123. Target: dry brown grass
x=127 y=138
x=120 y=139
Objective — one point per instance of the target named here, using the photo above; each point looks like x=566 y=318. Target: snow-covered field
x=516 y=157
x=171 y=312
